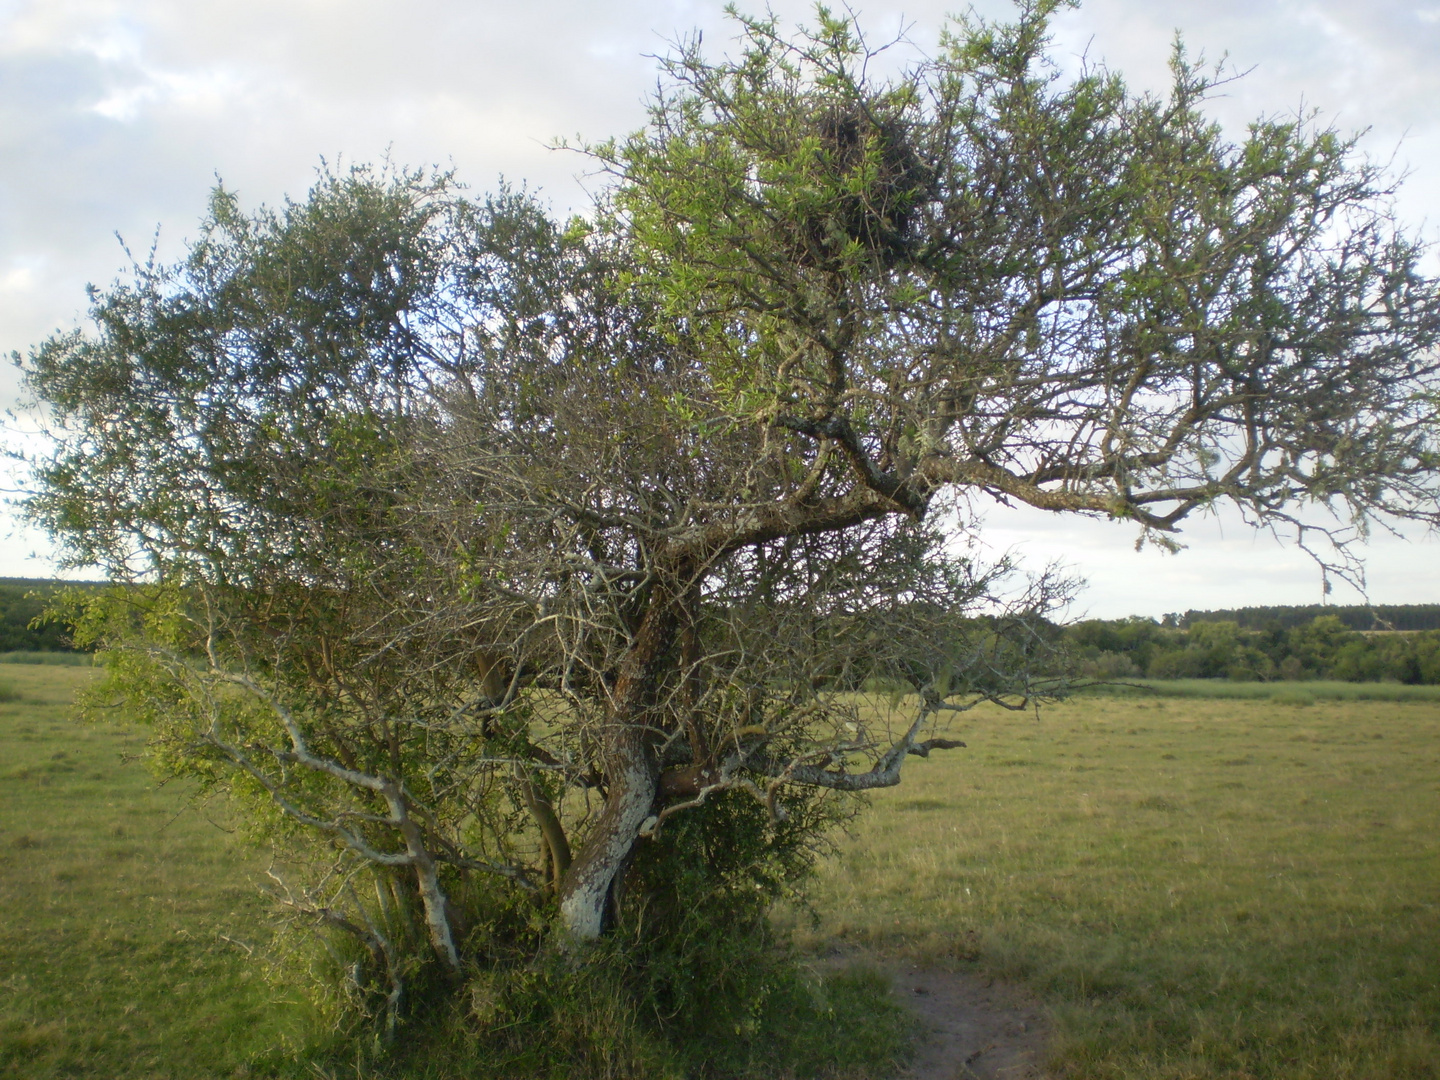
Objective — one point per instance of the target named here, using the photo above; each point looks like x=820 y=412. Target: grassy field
x=1284 y=693
x=114 y=896
x=64 y=659
x=1195 y=888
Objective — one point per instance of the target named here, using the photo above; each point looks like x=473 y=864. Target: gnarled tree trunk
x=631 y=773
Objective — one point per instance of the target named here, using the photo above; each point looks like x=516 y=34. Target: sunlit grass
x=1219 y=888
x=124 y=913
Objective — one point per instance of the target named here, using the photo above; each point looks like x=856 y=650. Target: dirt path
x=978 y=1029
x=974 y=1028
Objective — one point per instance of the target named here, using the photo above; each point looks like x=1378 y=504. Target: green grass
x=64 y=659
x=1197 y=889
x=126 y=917
x=116 y=900
x=1281 y=692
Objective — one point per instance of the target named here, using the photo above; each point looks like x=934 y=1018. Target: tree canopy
x=564 y=567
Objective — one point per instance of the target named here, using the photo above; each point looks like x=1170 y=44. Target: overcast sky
x=118 y=115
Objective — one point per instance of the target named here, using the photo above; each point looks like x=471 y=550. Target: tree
x=510 y=557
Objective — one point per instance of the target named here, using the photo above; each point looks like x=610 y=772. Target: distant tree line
x=1354 y=644
x=22 y=602
x=1324 y=647
x=1358 y=617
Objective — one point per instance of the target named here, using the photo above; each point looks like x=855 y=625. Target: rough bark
x=630 y=772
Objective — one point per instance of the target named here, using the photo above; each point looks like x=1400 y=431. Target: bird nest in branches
x=876 y=182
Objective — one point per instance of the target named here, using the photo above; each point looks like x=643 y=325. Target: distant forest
x=1397 y=643
x=1359 y=617
x=1353 y=644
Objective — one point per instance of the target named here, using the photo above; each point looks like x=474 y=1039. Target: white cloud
x=119 y=43
x=20 y=279
x=200 y=92
x=1224 y=565
x=118 y=114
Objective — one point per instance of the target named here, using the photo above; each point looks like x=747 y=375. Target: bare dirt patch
x=973 y=1027
x=976 y=1028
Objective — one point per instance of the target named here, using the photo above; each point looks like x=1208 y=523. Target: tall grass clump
x=691 y=981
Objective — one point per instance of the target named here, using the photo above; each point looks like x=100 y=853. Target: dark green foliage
x=1356 y=617
x=692 y=976
x=694 y=912
x=1322 y=648
x=553 y=1019
x=23 y=603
